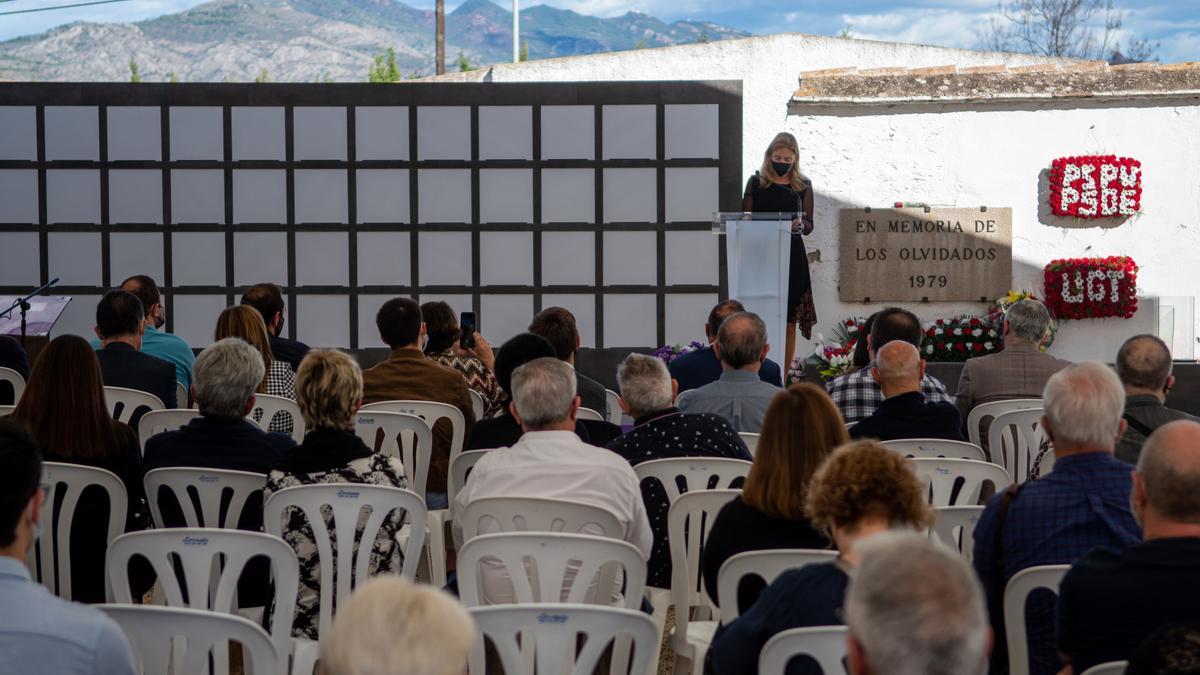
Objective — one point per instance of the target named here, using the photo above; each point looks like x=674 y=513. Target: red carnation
x=960 y=347
x=939 y=346
x=977 y=347
x=974 y=323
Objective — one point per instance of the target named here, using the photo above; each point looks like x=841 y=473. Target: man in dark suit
x=700 y=367
x=558 y=326
x=904 y=412
x=13 y=357
x=268 y=300
x=120 y=324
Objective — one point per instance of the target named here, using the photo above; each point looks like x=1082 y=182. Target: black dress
x=775 y=198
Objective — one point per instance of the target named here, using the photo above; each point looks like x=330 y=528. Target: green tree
x=385 y=69
x=524 y=55
x=263 y=77
x=134 y=76
x=641 y=44
x=845 y=32
x=703 y=37
x=464 y=64
x=172 y=77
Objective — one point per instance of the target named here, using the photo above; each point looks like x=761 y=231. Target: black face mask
x=781 y=168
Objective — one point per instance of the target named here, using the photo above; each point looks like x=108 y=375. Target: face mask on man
x=781 y=168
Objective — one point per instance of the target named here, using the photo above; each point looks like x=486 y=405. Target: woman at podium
x=779 y=187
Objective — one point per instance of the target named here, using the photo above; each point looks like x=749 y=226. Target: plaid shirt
x=1081 y=505
x=857 y=394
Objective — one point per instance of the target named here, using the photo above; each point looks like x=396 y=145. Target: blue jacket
x=696 y=369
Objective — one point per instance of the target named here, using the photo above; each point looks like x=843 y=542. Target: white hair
x=225 y=376
x=391 y=626
x=1084 y=403
x=645 y=383
x=1029 y=320
x=916 y=608
x=543 y=391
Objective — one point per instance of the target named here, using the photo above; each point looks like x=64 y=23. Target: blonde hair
x=243 y=321
x=328 y=387
x=782 y=141
x=391 y=626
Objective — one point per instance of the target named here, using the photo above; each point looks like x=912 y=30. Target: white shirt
x=554 y=465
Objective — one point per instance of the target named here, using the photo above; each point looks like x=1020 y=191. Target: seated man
x=503 y=430
x=661 y=431
x=1110 y=602
x=904 y=412
x=1055 y=520
x=120 y=325
x=857 y=394
x=1144 y=366
x=40 y=633
x=697 y=368
x=551 y=462
x=558 y=326
x=408 y=375
x=739 y=395
x=156 y=342
x=268 y=300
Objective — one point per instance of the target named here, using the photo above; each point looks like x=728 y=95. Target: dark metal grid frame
x=725 y=94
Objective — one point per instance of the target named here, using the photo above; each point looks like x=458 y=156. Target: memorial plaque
x=914 y=255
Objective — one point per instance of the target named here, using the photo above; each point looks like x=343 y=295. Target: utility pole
x=441 y=37
x=516 y=32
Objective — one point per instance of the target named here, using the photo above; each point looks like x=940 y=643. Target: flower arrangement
x=1092 y=288
x=995 y=315
x=1102 y=186
x=669 y=353
x=960 y=338
x=835 y=357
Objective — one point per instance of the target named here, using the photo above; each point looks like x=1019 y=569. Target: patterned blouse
x=280 y=382
x=480 y=378
x=367 y=468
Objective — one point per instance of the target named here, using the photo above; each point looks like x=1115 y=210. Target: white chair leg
x=304 y=656
x=660 y=600
x=435 y=544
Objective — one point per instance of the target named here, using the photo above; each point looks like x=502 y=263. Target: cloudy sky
x=1174 y=24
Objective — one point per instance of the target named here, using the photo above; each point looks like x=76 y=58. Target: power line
x=48 y=9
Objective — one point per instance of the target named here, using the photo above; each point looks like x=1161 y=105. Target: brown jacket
x=408 y=375
x=1020 y=371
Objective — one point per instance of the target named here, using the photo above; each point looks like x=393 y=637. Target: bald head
x=1168 y=473
x=742 y=342
x=898 y=368
x=1144 y=364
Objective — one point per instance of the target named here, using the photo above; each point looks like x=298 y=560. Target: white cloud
x=931 y=26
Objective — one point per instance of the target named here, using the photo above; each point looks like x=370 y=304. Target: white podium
x=758 y=249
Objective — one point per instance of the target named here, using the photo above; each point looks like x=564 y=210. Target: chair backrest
x=589 y=414
x=52 y=551
x=406 y=437
x=988 y=411
x=1110 y=668
x=207 y=488
x=209 y=563
x=347 y=501
x=152 y=632
x=825 y=644
x=696 y=473
x=123 y=403
x=613 y=400
x=766 y=564
x=955 y=527
x=181 y=395
x=431 y=412
x=688 y=522
x=554 y=630
x=269 y=406
x=1014 y=439
x=14 y=378
x=158 y=421
x=460 y=469
x=750 y=439
x=7 y=410
x=937 y=447
x=1015 y=594
x=552 y=567
x=478 y=406
x=940 y=476
x=534 y=514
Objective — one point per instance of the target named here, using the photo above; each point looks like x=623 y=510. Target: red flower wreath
x=1091 y=288
x=1103 y=186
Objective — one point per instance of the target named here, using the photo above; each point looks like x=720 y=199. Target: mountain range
x=323 y=40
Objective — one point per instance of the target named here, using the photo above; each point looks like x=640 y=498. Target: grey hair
x=916 y=608
x=543 y=391
x=1084 y=403
x=741 y=339
x=1029 y=320
x=1144 y=362
x=898 y=362
x=1170 y=471
x=225 y=376
x=645 y=383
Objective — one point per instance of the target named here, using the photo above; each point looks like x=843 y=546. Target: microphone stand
x=23 y=305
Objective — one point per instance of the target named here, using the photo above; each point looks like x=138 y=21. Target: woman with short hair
x=477 y=364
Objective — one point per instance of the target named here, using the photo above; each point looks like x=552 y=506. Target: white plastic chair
x=209 y=487
x=697 y=473
x=210 y=562
x=406 y=437
x=175 y=641
x=1014 y=440
x=478 y=406
x=269 y=406
x=940 y=475
x=553 y=631
x=534 y=514
x=987 y=411
x=688 y=522
x=53 y=550
x=1015 y=594
x=937 y=447
x=825 y=644
x=123 y=403
x=181 y=395
x=460 y=469
x=1110 y=668
x=750 y=439
x=7 y=410
x=589 y=414
x=766 y=564
x=955 y=527
x=158 y=421
x=14 y=378
x=612 y=400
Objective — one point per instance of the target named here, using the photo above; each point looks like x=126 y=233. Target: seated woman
x=65 y=385
x=477 y=364
x=861 y=490
x=801 y=428
x=243 y=321
x=329 y=392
